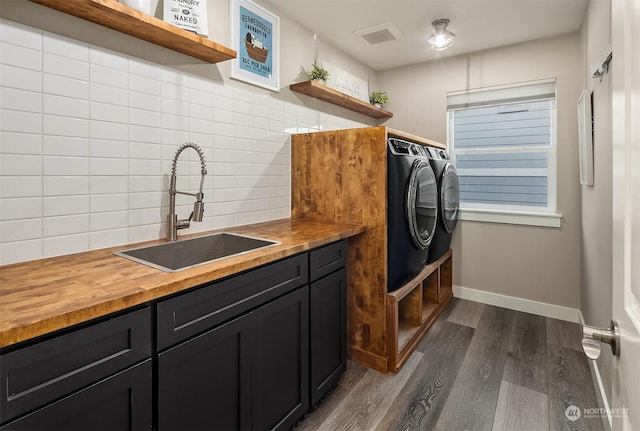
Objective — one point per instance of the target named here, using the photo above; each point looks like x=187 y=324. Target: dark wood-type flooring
x=478 y=368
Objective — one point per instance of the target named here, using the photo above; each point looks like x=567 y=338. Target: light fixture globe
x=442 y=38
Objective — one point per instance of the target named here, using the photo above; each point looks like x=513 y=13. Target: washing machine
x=448 y=202
x=412 y=205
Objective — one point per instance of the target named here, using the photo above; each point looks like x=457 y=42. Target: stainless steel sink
x=187 y=253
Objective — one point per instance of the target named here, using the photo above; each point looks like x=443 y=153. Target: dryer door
x=422 y=204
x=449 y=197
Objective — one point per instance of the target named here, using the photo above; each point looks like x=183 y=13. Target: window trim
x=534 y=216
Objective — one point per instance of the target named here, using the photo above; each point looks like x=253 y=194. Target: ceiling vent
x=379 y=33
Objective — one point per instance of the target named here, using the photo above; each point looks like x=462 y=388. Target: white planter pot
x=141 y=5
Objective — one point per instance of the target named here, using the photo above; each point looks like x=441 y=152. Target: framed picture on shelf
x=255 y=35
x=585 y=138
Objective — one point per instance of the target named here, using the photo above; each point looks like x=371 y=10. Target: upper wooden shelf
x=322 y=92
x=116 y=16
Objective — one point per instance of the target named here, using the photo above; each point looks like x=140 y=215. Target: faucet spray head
x=198 y=208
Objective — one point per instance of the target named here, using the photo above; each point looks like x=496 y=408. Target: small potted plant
x=318 y=73
x=378 y=98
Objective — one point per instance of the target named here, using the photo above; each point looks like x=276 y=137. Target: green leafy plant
x=318 y=73
x=378 y=97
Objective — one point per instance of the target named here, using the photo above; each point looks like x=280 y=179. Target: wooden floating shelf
x=116 y=16
x=322 y=92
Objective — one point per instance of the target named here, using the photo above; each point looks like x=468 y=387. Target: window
x=502 y=141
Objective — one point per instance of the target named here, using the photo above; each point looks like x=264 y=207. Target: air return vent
x=379 y=33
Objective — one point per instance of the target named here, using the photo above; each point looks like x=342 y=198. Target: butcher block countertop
x=42 y=296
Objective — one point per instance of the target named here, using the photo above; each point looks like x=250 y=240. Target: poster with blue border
x=255 y=38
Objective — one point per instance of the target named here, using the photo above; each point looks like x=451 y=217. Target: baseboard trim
x=518 y=304
x=601 y=394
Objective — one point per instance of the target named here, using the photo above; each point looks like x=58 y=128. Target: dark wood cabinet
x=249 y=373
x=251 y=351
x=328 y=322
x=81 y=379
x=120 y=402
x=205 y=382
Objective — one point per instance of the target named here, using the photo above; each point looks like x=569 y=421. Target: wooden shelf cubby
x=117 y=16
x=328 y=94
x=413 y=308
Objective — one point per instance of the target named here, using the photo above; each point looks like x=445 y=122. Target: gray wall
x=535 y=263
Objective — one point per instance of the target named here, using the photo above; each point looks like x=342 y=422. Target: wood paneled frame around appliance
x=341 y=176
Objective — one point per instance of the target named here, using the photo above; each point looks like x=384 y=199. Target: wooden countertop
x=42 y=296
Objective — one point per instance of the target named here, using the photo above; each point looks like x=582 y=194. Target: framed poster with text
x=255 y=35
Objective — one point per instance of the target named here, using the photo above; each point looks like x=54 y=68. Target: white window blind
x=502 y=141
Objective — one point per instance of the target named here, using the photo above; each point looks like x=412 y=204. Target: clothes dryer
x=448 y=202
x=412 y=200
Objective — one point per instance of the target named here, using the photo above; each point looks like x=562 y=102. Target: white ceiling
x=478 y=24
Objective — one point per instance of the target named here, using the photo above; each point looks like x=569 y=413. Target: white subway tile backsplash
x=65 y=106
x=100 y=166
x=109 y=113
x=108 y=94
x=21 y=56
x=20 y=164
x=65 y=205
x=20 y=143
x=64 y=86
x=108 y=184
x=21 y=251
x=109 y=148
x=109 y=220
x=87 y=144
x=108 y=130
x=20 y=208
x=65 y=126
x=150 y=102
x=108 y=76
x=20 y=230
x=110 y=238
x=65 y=225
x=109 y=202
x=65 y=146
x=20 y=121
x=108 y=59
x=64 y=66
x=20 y=186
x=66 y=186
x=20 y=35
x=145 y=68
x=61 y=245
x=72 y=49
x=59 y=165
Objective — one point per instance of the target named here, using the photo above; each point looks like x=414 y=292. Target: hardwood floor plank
x=466 y=313
x=520 y=409
x=314 y=419
x=527 y=358
x=564 y=334
x=368 y=401
x=472 y=401
x=420 y=402
x=570 y=385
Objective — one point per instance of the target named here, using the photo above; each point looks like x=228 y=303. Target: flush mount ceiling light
x=442 y=38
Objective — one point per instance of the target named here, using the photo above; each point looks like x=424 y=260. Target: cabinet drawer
x=40 y=373
x=196 y=311
x=119 y=402
x=327 y=259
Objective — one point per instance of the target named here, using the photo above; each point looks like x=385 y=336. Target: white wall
x=91 y=119
x=528 y=262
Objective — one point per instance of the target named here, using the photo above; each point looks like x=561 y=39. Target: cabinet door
x=328 y=332
x=280 y=364
x=120 y=402
x=204 y=383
